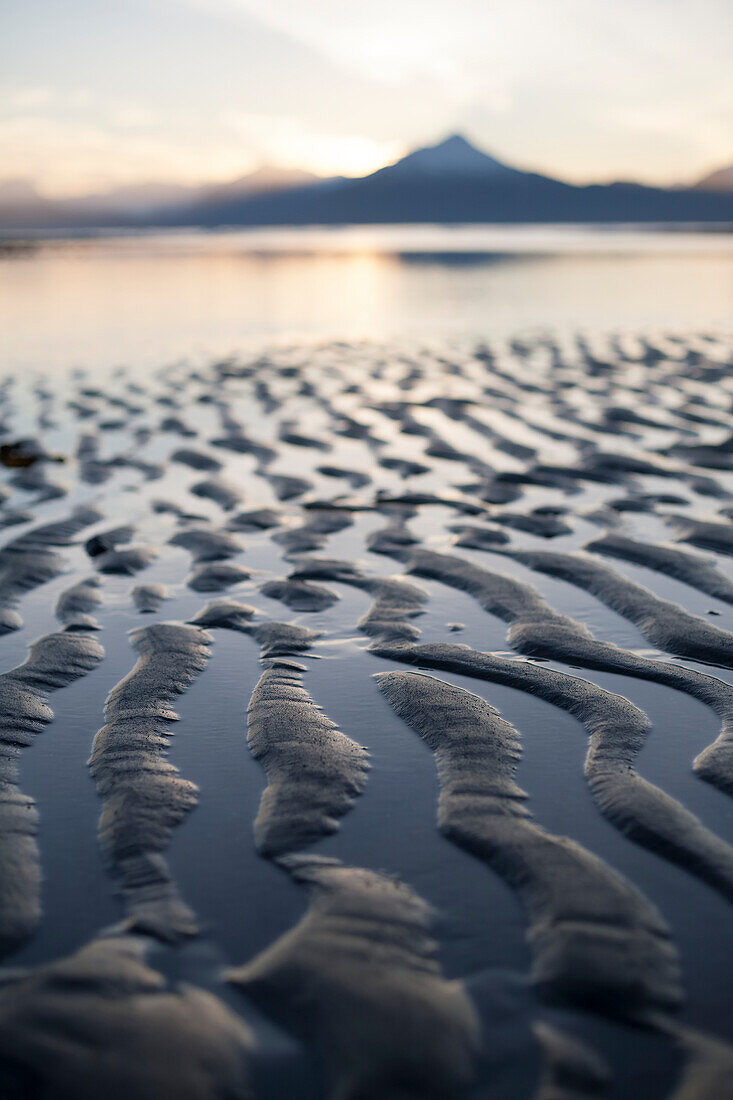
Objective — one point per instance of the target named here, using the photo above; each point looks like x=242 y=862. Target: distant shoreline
x=482 y=238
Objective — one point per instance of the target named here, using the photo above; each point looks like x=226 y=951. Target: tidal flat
x=366 y=722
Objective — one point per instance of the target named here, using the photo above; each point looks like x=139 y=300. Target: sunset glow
x=197 y=91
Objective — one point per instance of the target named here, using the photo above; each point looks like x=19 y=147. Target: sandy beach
x=366 y=723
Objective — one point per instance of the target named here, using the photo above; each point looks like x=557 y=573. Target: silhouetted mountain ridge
x=721 y=180
x=451 y=157
x=453 y=182
x=450 y=182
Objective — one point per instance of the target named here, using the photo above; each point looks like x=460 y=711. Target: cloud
x=579 y=87
x=23 y=99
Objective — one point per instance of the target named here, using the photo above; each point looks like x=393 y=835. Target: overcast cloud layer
x=95 y=94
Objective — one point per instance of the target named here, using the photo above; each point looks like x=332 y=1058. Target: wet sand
x=367 y=724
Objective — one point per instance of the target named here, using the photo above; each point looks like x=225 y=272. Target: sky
x=96 y=94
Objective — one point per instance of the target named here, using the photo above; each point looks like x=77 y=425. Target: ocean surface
x=148 y=299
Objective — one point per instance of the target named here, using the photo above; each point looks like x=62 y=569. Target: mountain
x=451 y=182
x=452 y=157
x=18 y=192
x=136 y=198
x=722 y=180
x=146 y=199
x=130 y=205
x=261 y=181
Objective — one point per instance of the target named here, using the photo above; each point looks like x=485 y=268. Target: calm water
x=147 y=299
